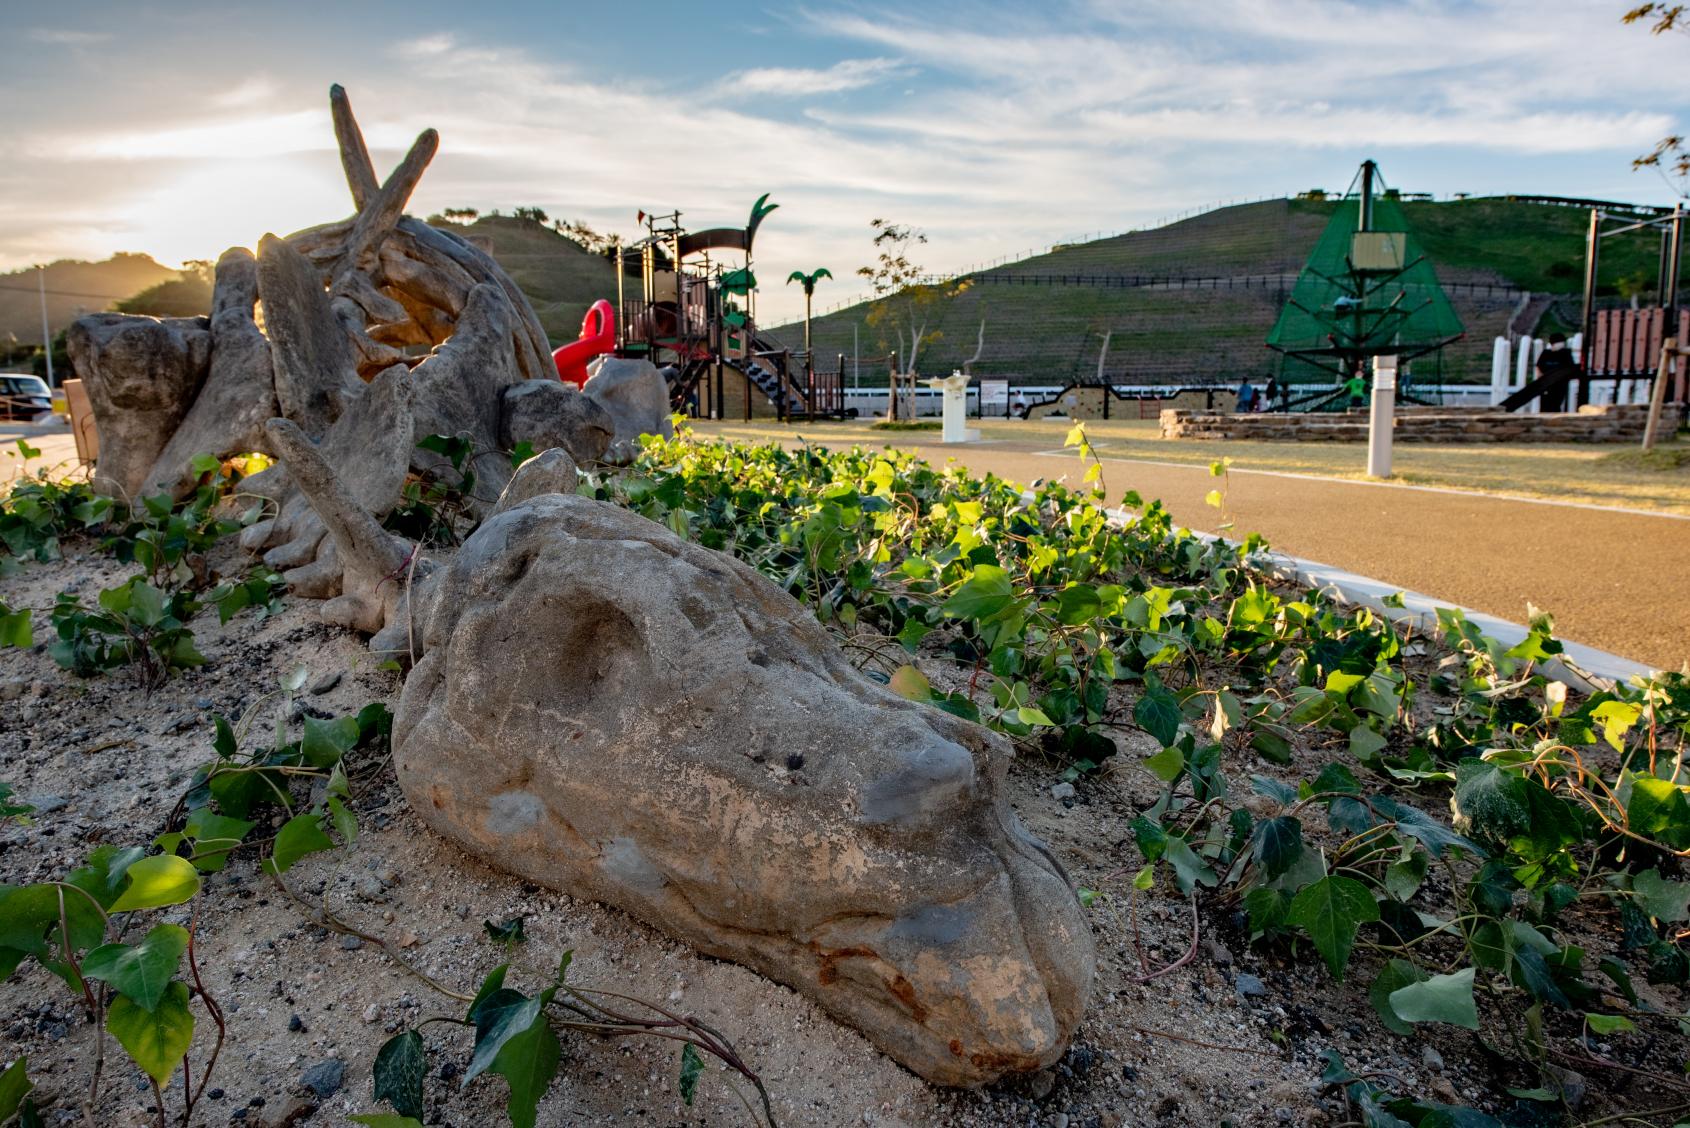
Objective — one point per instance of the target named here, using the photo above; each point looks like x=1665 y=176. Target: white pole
x=1382 y=418
x=856 y=369
x=1499 y=371
x=46 y=333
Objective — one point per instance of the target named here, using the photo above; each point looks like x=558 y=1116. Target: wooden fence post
x=1658 y=394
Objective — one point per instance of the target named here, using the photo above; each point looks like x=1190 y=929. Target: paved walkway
x=1618 y=580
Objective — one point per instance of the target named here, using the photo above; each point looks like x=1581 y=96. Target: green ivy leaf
x=1666 y=901
x=156 y=882
x=15 y=629
x=910 y=684
x=325 y=742
x=498 y=1018
x=691 y=1066
x=1657 y=808
x=510 y=932
x=299 y=836
x=528 y=1062
x=140 y=972
x=1394 y=975
x=1189 y=869
x=1330 y=911
x=156 y=1039
x=1439 y=998
x=14 y=1085
x=1489 y=802
x=1279 y=842
x=1157 y=713
x=986 y=592
x=1610 y=1024
x=399 y=1069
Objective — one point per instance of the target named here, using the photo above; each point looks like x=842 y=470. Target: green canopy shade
x=1365 y=293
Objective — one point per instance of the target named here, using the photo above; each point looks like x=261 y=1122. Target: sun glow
x=214 y=205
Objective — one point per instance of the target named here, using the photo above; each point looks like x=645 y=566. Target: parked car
x=24 y=398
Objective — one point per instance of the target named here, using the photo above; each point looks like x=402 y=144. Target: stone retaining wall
x=1591 y=424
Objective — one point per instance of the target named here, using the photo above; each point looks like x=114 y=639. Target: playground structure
x=1366 y=291
x=1625 y=345
x=598 y=336
x=694 y=315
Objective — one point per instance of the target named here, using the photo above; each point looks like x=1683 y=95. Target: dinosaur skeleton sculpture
x=377 y=331
x=673 y=734
x=607 y=709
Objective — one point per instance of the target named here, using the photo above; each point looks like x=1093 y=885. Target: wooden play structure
x=1621 y=344
x=694 y=315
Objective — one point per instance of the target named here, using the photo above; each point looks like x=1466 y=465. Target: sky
x=182 y=128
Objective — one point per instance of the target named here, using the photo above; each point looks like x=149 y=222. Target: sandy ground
x=107 y=763
x=1233 y=1035
x=1612 y=578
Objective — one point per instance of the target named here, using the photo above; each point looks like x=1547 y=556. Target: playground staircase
x=782 y=393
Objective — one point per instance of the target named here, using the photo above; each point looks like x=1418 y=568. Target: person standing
x=1246 y=396
x=1556 y=363
x=1271 y=393
x=1355 y=391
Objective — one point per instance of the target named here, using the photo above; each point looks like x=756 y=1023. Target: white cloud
x=1015 y=128
x=66 y=37
x=797 y=82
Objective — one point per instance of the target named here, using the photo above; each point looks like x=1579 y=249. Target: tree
x=904 y=303
x=589 y=240
x=1670 y=157
x=460 y=215
x=808 y=281
x=535 y=214
x=188 y=295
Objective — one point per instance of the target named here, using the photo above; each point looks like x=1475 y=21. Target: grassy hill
x=73 y=289
x=1043 y=333
x=560 y=279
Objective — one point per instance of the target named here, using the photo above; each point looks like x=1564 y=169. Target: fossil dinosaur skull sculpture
x=607 y=709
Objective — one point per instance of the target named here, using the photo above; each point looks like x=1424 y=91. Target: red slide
x=598 y=336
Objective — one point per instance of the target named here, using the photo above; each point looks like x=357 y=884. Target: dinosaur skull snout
x=609 y=710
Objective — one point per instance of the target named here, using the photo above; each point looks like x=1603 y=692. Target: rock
x=551 y=413
x=296 y=1024
x=1062 y=791
x=141 y=375
x=1219 y=953
x=372 y=1013
x=294 y=1111
x=351 y=943
x=549 y=472
x=637 y=399
x=598 y=708
x=1571 y=1084
x=227 y=416
x=324 y=1078
x=370 y=560
x=1249 y=986
x=459 y=390
x=1432 y=1059
x=1081 y=1058
x=47 y=804
x=315 y=376
x=13 y=688
x=369 y=450
x=325 y=683
x=1040 y=1084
